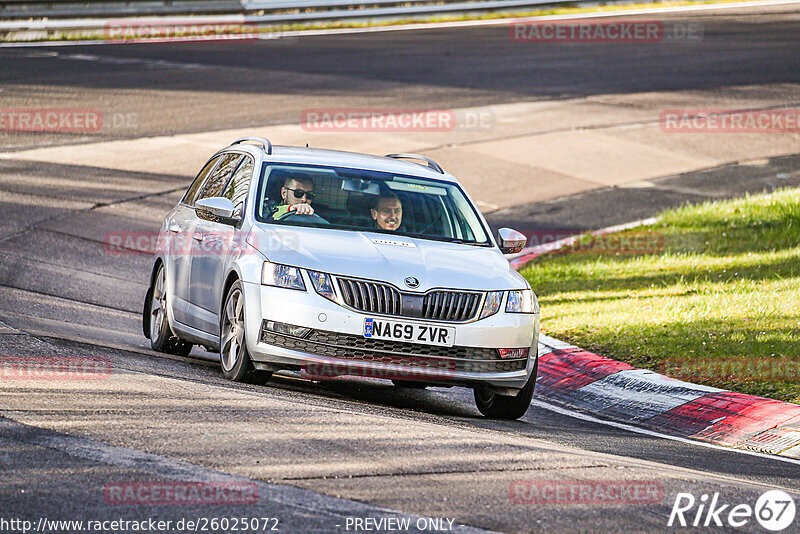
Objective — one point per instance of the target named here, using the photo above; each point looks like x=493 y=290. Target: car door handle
x=173 y=228
x=198 y=237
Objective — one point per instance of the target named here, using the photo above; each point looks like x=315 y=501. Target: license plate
x=443 y=336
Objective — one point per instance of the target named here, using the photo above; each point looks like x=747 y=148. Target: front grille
x=450 y=305
x=437 y=305
x=414 y=355
x=371 y=297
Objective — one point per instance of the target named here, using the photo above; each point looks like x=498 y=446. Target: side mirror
x=219 y=208
x=510 y=241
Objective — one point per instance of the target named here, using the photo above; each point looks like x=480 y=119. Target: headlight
x=275 y=274
x=523 y=301
x=322 y=284
x=492 y=303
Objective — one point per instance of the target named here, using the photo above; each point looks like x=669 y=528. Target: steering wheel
x=314 y=218
x=426 y=228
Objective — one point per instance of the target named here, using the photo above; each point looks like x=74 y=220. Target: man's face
x=388 y=214
x=290 y=191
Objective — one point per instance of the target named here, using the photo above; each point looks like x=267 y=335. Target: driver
x=296 y=196
x=387 y=212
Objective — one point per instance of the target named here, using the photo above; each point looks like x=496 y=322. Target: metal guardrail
x=22 y=14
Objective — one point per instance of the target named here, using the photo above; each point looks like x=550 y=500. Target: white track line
x=652 y=433
x=447 y=25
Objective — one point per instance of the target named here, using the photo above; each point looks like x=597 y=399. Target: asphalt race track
x=317 y=454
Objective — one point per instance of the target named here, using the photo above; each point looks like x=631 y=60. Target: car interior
x=423 y=213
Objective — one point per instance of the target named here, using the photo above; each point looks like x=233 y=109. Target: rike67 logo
x=774 y=510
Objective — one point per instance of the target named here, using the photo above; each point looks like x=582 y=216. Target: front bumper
x=336 y=346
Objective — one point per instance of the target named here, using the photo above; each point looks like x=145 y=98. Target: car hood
x=390 y=258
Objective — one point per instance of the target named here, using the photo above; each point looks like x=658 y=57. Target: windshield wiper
x=454 y=240
x=471 y=243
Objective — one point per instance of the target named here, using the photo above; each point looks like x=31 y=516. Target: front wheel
x=233 y=355
x=155 y=320
x=496 y=406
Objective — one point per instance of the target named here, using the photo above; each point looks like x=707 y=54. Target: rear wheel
x=233 y=355
x=161 y=336
x=496 y=406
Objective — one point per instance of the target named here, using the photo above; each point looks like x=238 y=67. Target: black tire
x=496 y=406
x=233 y=355
x=154 y=319
x=409 y=384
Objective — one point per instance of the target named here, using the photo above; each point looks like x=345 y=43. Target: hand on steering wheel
x=296 y=215
x=301 y=209
x=296 y=209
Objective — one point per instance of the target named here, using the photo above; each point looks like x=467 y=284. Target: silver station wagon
x=334 y=263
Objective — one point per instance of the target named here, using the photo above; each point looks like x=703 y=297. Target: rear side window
x=239 y=185
x=193 y=190
x=217 y=180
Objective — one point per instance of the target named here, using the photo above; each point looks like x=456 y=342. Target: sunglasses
x=299 y=193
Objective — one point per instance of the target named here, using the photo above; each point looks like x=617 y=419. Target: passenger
x=387 y=212
x=296 y=196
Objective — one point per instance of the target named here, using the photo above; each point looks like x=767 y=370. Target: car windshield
x=362 y=200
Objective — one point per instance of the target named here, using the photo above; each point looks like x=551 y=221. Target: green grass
x=725 y=287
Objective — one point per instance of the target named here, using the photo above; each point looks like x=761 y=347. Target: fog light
x=513 y=354
x=288 y=329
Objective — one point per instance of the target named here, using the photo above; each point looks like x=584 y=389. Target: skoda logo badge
x=412 y=282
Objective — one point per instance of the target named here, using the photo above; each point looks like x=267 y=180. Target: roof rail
x=263 y=141
x=431 y=164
